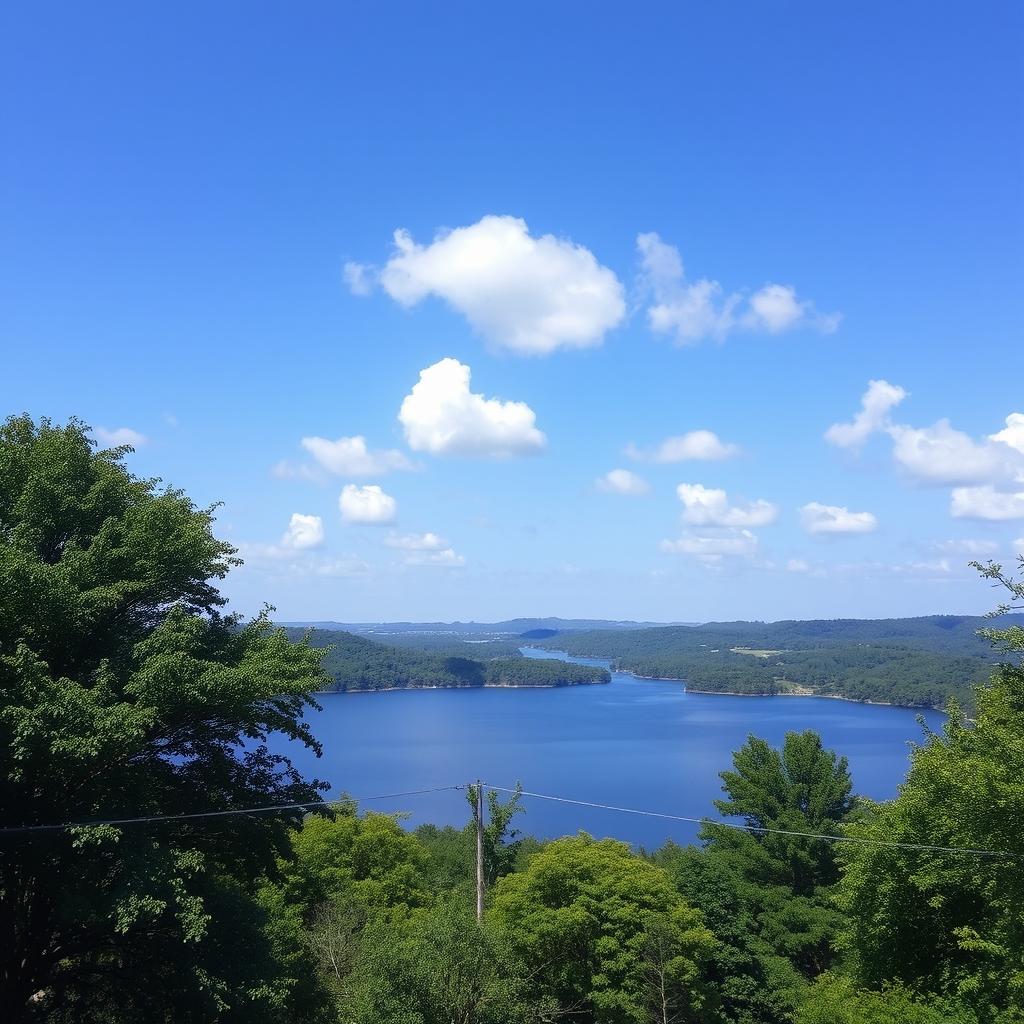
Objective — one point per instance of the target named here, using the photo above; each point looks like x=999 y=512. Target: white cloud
x=528 y=295
x=941 y=455
x=359 y=278
x=622 y=481
x=1018 y=545
x=986 y=503
x=303 y=532
x=708 y=506
x=415 y=542
x=976 y=548
x=729 y=542
x=349 y=456
x=797 y=565
x=697 y=445
x=818 y=518
x=775 y=308
x=446 y=557
x=424 y=549
x=692 y=312
x=119 y=436
x=442 y=416
x=1013 y=433
x=367 y=504
x=880 y=397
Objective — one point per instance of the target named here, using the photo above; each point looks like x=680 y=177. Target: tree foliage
x=125 y=692
x=356 y=663
x=593 y=922
x=951 y=923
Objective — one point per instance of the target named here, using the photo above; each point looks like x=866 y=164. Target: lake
x=635 y=742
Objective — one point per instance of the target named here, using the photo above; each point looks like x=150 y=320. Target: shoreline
x=486 y=686
x=823 y=696
x=733 y=693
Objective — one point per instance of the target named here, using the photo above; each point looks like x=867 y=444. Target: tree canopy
x=125 y=692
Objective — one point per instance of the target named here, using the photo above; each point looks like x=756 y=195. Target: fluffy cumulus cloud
x=938 y=455
x=622 y=481
x=442 y=416
x=875 y=404
x=304 y=532
x=350 y=456
x=775 y=308
x=525 y=294
x=712 y=547
x=119 y=436
x=941 y=455
x=697 y=446
x=1013 y=433
x=835 y=519
x=424 y=549
x=693 y=311
x=986 y=503
x=709 y=506
x=368 y=504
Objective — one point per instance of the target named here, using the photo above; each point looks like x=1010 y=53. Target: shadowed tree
x=125 y=692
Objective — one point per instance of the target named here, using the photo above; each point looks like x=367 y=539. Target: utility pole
x=479 y=815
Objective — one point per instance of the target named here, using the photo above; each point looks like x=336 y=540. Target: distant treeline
x=918 y=662
x=457 y=645
x=356 y=663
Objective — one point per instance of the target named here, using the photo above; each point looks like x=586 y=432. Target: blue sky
x=709 y=223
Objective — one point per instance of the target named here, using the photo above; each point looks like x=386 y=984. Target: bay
x=639 y=743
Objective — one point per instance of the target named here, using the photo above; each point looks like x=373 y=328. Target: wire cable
x=269 y=808
x=309 y=804
x=754 y=828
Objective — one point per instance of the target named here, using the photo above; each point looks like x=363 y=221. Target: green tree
x=500 y=842
x=124 y=692
x=604 y=935
x=951 y=923
x=785 y=879
x=754 y=982
x=835 y=1000
x=368 y=861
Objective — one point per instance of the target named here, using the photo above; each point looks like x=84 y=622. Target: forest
x=159 y=864
x=917 y=662
x=357 y=663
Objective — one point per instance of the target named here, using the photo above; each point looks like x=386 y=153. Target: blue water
x=634 y=742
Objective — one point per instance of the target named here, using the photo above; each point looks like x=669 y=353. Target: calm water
x=635 y=742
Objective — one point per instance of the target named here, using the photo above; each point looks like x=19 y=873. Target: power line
x=160 y=818
x=753 y=828
x=307 y=805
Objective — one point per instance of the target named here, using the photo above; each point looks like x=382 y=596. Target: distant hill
x=915 y=661
x=510 y=626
